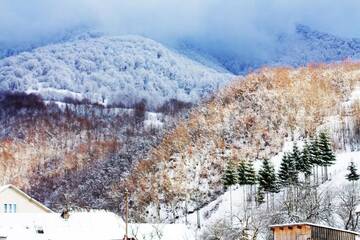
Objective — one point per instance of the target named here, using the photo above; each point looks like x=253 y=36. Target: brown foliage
x=253 y=114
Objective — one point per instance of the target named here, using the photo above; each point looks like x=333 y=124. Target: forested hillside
x=248 y=120
x=71 y=154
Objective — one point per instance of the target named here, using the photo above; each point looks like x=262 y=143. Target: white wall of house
x=19 y=203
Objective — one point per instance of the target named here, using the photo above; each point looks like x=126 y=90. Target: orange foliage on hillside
x=246 y=120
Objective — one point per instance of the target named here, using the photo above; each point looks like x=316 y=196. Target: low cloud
x=244 y=27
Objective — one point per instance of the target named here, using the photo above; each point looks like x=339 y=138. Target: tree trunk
x=231 y=215
x=326 y=173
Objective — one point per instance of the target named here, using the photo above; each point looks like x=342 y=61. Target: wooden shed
x=310 y=231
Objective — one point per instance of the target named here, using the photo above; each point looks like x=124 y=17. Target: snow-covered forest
x=118 y=71
x=221 y=126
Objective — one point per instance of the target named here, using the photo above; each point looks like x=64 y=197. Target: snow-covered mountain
x=110 y=70
x=299 y=48
x=310 y=46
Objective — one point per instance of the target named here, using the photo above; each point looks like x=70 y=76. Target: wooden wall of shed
x=301 y=232
x=322 y=233
x=306 y=232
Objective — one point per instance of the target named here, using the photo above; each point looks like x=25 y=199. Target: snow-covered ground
x=81 y=225
x=110 y=70
x=220 y=208
x=93 y=225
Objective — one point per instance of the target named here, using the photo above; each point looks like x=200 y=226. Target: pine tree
x=293 y=172
x=352 y=176
x=315 y=152
x=326 y=154
x=250 y=173
x=241 y=173
x=306 y=164
x=284 y=171
x=267 y=180
x=230 y=177
x=315 y=159
x=296 y=157
x=250 y=178
x=267 y=177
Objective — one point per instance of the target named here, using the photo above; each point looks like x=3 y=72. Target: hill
x=247 y=120
x=118 y=71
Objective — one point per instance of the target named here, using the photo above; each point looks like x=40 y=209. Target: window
x=9 y=208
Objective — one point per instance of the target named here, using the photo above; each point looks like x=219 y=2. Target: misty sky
x=231 y=24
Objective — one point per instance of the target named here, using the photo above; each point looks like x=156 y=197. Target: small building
x=13 y=200
x=310 y=231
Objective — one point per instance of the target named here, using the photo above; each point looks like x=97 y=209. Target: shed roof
x=314 y=225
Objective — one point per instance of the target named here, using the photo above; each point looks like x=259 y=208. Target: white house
x=13 y=200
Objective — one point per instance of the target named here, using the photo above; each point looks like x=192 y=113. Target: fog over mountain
x=247 y=29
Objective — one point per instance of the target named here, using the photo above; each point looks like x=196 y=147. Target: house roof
x=3 y=188
x=314 y=225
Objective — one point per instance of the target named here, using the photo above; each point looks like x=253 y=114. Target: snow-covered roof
x=92 y=225
x=312 y=224
x=10 y=186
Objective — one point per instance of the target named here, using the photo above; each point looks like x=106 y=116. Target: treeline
x=297 y=167
x=292 y=193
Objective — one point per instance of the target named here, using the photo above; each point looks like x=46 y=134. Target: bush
x=21 y=100
x=174 y=106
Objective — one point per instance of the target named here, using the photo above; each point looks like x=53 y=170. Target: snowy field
x=94 y=225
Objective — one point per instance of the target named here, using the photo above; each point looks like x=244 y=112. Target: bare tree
x=349 y=199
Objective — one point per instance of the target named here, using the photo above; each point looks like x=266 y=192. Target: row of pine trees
x=297 y=167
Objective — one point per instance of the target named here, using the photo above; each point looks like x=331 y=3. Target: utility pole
x=126 y=214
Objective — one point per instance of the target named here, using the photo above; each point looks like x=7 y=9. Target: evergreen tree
x=315 y=159
x=250 y=173
x=296 y=157
x=284 y=171
x=241 y=173
x=306 y=164
x=267 y=177
x=230 y=177
x=315 y=152
x=326 y=154
x=293 y=172
x=267 y=180
x=352 y=176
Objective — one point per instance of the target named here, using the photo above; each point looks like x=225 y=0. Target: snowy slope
x=219 y=209
x=110 y=70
